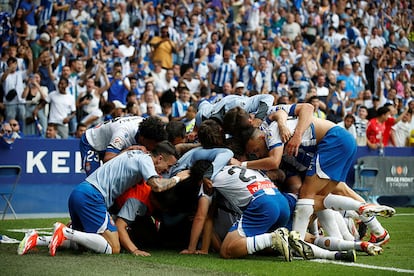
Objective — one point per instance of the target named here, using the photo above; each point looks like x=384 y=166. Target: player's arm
x=305 y=114
x=198 y=224
x=109 y=155
x=125 y=240
x=267 y=163
x=158 y=184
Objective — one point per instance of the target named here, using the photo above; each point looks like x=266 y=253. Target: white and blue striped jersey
x=238 y=184
x=118 y=133
x=245 y=75
x=273 y=139
x=46 y=13
x=224 y=73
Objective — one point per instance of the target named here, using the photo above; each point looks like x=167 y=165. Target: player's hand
x=188 y=252
x=292 y=146
x=234 y=162
x=284 y=132
x=192 y=136
x=140 y=253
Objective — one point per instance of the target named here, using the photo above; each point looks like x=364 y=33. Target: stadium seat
x=364 y=181
x=9 y=177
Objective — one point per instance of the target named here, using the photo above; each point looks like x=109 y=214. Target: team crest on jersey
x=117 y=143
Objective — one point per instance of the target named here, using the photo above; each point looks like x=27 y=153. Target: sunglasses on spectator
x=14 y=124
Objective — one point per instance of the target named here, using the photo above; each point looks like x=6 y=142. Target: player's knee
x=225 y=252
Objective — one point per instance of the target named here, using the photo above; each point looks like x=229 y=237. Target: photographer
x=12 y=82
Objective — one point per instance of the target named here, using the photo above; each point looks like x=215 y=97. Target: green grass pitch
x=397 y=259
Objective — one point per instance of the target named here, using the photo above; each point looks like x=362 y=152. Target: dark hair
x=11 y=60
x=382 y=110
x=312 y=98
x=234 y=120
x=64 y=79
x=164 y=148
x=175 y=129
x=210 y=134
x=152 y=128
x=81 y=125
x=363 y=107
x=349 y=116
x=53 y=125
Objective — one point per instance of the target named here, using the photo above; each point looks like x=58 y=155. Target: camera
x=88 y=96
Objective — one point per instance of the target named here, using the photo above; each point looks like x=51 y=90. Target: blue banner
x=51 y=168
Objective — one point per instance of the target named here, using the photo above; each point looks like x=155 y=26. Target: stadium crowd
x=82 y=62
x=67 y=67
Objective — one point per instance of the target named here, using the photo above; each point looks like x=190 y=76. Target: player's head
x=199 y=169
x=164 y=156
x=235 y=120
x=176 y=132
x=255 y=143
x=210 y=134
x=151 y=131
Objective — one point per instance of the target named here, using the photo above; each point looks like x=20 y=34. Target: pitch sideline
x=394 y=269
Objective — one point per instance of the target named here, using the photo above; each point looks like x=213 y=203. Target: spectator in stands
x=163 y=48
x=361 y=123
x=180 y=106
x=317 y=112
x=35 y=96
x=12 y=83
x=88 y=111
x=400 y=132
x=348 y=123
x=62 y=108
x=52 y=131
x=7 y=136
x=80 y=130
x=376 y=128
x=15 y=126
x=31 y=10
x=336 y=103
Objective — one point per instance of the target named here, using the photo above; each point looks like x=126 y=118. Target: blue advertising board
x=51 y=168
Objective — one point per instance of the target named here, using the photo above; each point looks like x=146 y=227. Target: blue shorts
x=88 y=211
x=267 y=211
x=91 y=159
x=334 y=156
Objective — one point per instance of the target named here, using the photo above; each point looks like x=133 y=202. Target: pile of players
x=261 y=178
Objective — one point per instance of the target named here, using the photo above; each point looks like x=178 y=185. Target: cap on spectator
x=239 y=84
x=118 y=104
x=44 y=37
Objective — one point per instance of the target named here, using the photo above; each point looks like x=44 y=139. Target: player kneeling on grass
x=265 y=214
x=92 y=226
